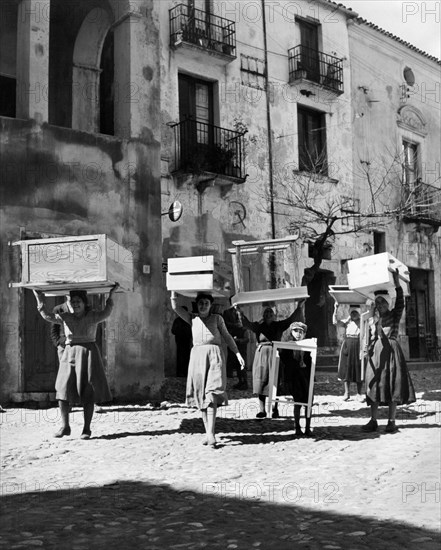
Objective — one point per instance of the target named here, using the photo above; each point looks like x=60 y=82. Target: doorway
x=319 y=308
x=419 y=323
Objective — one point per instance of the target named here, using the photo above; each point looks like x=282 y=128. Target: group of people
x=386 y=377
x=81 y=377
x=206 y=382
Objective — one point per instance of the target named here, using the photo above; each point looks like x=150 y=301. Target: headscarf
x=385 y=295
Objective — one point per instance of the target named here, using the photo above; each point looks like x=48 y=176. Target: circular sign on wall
x=175 y=211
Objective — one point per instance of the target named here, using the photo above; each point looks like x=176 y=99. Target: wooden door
x=417 y=314
x=40 y=360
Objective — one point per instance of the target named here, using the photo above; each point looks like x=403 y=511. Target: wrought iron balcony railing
x=308 y=64
x=423 y=203
x=203 y=29
x=202 y=147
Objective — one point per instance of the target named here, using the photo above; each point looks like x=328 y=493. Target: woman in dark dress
x=349 y=363
x=267 y=331
x=297 y=365
x=387 y=378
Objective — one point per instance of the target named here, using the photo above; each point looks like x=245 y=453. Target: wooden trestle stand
x=303 y=345
x=272 y=295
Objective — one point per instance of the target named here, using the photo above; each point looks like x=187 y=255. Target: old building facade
x=316 y=96
x=111 y=110
x=79 y=153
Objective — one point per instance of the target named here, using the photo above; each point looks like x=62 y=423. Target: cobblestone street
x=144 y=479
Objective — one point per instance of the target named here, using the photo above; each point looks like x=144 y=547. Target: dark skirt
x=207 y=377
x=297 y=380
x=261 y=366
x=349 y=365
x=81 y=377
x=387 y=377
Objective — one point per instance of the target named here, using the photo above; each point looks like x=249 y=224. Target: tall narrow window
x=107 y=95
x=8 y=52
x=379 y=242
x=312 y=141
x=410 y=162
x=196 y=104
x=309 y=55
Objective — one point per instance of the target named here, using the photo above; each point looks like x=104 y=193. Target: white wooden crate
x=89 y=262
x=342 y=294
x=371 y=273
x=194 y=274
x=271 y=295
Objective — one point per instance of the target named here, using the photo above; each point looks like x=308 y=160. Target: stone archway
x=86 y=70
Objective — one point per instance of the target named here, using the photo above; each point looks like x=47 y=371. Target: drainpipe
x=272 y=258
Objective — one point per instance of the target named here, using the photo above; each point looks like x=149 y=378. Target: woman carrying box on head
x=207 y=376
x=349 y=364
x=81 y=376
x=267 y=331
x=387 y=377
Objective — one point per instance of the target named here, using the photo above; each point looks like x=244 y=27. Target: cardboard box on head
x=372 y=273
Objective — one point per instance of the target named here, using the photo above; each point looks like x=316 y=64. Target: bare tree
x=313 y=202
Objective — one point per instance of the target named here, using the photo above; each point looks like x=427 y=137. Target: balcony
x=209 y=152
x=191 y=28
x=308 y=65
x=423 y=203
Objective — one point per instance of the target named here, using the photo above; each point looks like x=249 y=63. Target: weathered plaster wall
x=379 y=95
x=210 y=219
x=56 y=180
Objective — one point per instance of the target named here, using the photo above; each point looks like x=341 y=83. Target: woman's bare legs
x=297 y=409
x=88 y=409
x=211 y=423
x=205 y=421
x=64 y=411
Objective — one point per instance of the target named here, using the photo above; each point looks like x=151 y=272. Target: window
x=7 y=96
x=312 y=140
x=107 y=99
x=8 y=58
x=309 y=55
x=196 y=104
x=379 y=242
x=410 y=162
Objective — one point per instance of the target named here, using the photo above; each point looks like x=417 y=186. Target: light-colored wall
x=209 y=221
x=377 y=65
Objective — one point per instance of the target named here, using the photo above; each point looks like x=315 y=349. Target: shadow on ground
x=157 y=517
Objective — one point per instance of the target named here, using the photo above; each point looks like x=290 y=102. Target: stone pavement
x=144 y=480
